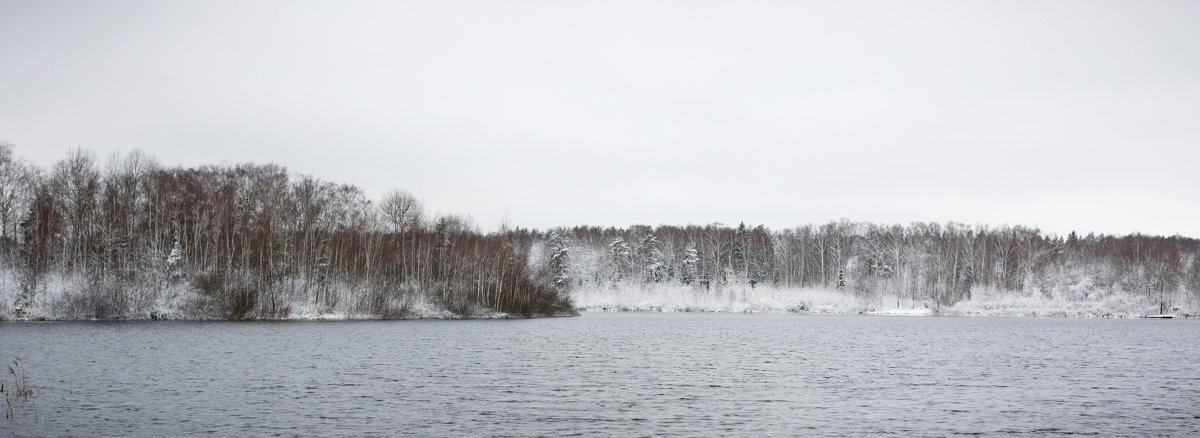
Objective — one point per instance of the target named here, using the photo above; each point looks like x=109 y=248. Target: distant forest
x=929 y=264
x=126 y=237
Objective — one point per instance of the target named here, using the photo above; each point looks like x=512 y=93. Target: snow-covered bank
x=1004 y=303
x=73 y=298
x=917 y=311
x=744 y=299
x=666 y=297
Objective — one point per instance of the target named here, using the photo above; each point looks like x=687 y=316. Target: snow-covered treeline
x=129 y=238
x=871 y=267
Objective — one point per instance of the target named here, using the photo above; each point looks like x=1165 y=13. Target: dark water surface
x=627 y=374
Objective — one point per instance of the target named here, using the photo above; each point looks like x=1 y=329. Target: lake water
x=622 y=374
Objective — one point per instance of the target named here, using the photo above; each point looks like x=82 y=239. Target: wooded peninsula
x=129 y=238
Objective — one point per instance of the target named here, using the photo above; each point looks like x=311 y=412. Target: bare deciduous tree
x=402 y=211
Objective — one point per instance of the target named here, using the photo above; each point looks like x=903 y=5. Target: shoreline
x=330 y=318
x=945 y=312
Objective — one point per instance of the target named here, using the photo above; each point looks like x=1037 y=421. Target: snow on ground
x=418 y=306
x=919 y=311
x=667 y=297
x=742 y=298
x=1008 y=303
x=73 y=298
x=62 y=298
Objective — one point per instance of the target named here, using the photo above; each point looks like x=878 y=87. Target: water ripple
x=614 y=374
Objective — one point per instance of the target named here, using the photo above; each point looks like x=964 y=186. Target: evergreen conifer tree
x=691 y=259
x=559 y=259
x=618 y=254
x=651 y=258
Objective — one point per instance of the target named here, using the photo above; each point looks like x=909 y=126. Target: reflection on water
x=613 y=374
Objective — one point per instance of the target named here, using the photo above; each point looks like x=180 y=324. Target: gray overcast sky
x=1065 y=115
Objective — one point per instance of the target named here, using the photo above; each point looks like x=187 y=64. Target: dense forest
x=126 y=237
x=129 y=238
